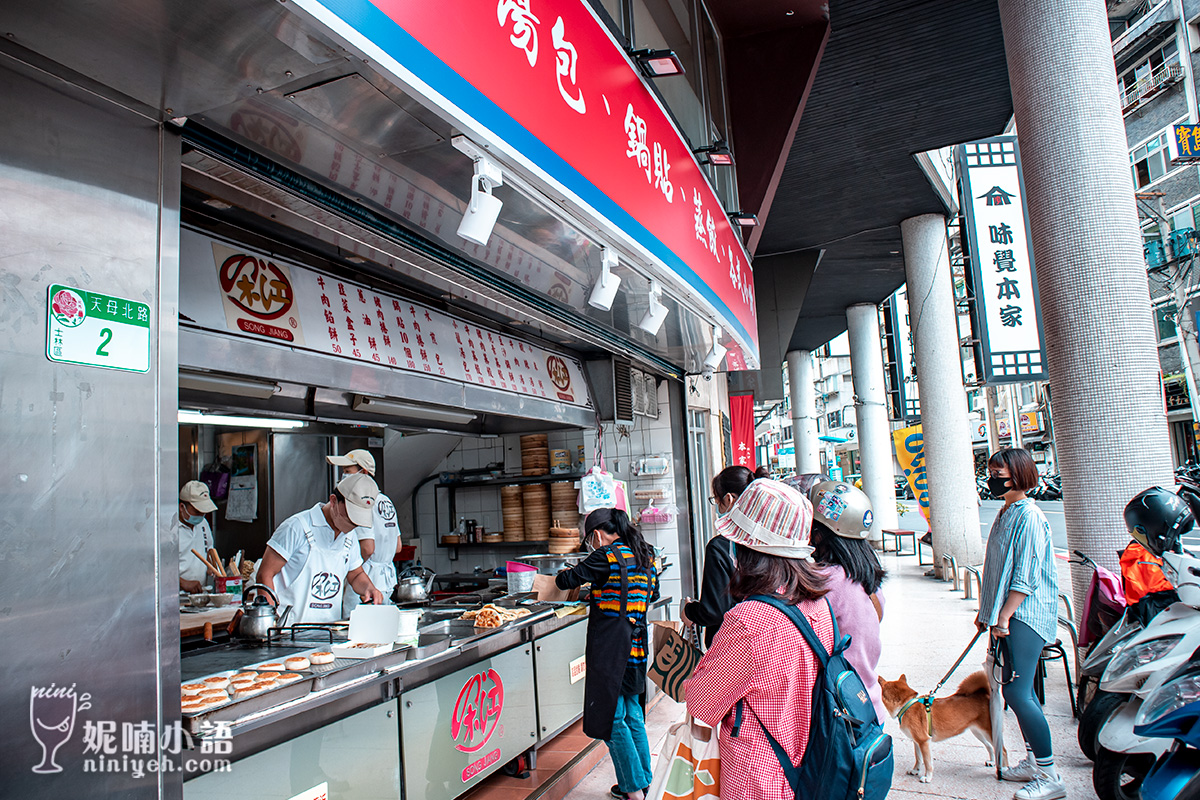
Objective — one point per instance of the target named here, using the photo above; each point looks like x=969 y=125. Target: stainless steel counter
x=454 y=686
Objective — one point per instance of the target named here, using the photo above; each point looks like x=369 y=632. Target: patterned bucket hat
x=772 y=518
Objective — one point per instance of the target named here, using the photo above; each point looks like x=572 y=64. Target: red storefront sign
x=741 y=421
x=548 y=85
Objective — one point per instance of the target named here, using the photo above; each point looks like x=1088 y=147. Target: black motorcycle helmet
x=1158 y=519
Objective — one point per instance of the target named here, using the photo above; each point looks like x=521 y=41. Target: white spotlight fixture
x=188 y=417
x=605 y=290
x=716 y=354
x=484 y=209
x=655 y=315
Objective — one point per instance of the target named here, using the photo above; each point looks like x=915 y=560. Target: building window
x=1149 y=162
x=834 y=419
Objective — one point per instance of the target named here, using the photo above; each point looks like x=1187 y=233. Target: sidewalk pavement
x=925 y=627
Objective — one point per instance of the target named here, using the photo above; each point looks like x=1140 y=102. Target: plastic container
x=520 y=582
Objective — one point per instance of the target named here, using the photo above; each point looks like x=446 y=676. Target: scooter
x=1103 y=608
x=1123 y=758
x=1172 y=712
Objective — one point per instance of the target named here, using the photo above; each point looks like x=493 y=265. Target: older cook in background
x=194 y=534
x=312 y=556
x=380 y=541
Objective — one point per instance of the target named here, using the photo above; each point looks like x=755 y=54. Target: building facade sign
x=548 y=86
x=1007 y=311
x=248 y=293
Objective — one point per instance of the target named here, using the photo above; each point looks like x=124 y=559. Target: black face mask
x=998 y=486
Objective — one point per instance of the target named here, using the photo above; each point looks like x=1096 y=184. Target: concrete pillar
x=870 y=406
x=804 y=411
x=949 y=465
x=1087 y=249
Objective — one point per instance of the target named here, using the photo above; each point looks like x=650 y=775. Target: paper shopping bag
x=674 y=660
x=689 y=765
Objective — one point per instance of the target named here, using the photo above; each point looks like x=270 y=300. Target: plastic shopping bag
x=689 y=765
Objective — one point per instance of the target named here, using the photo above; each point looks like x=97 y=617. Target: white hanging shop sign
x=234 y=289
x=1007 y=310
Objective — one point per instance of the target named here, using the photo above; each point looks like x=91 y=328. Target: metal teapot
x=414 y=584
x=259 y=616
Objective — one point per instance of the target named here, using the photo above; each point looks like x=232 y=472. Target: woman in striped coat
x=624 y=583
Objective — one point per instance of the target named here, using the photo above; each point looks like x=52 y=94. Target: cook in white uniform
x=311 y=557
x=194 y=534
x=379 y=542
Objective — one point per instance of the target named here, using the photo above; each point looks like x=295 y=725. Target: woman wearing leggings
x=1019 y=602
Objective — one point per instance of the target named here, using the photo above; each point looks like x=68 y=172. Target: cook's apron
x=609 y=640
x=198 y=538
x=316 y=593
x=379 y=566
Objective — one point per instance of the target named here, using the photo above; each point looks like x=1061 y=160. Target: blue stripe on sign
x=380 y=29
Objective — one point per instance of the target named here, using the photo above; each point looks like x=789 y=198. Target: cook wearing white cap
x=310 y=557
x=380 y=541
x=194 y=534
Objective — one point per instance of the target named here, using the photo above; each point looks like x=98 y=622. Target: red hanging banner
x=741 y=420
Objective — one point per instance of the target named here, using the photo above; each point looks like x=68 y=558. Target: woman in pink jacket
x=758 y=655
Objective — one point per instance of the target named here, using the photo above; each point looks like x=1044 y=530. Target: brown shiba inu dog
x=967 y=709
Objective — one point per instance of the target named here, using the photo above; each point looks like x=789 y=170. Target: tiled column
x=1109 y=421
x=870 y=407
x=804 y=411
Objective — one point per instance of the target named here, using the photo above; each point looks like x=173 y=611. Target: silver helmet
x=842 y=508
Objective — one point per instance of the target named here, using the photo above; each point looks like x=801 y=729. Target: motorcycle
x=1123 y=758
x=1103 y=607
x=1172 y=712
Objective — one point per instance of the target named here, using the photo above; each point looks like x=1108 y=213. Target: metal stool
x=921 y=556
x=1052 y=652
x=897 y=534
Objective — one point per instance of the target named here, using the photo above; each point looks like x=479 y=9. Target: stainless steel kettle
x=414 y=584
x=259 y=616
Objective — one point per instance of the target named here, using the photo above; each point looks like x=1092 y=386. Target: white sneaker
x=1023 y=771
x=1042 y=787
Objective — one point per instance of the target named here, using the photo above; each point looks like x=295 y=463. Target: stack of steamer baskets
x=535 y=455
x=513 y=514
x=564 y=511
x=536 y=505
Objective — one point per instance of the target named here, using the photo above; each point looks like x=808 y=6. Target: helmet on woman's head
x=1157 y=519
x=842 y=508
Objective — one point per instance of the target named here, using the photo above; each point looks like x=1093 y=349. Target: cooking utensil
x=552 y=563
x=414 y=584
x=259 y=615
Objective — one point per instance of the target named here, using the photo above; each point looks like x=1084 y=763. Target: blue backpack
x=848 y=755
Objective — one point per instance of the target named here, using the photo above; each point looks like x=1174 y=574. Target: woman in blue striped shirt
x=1019 y=602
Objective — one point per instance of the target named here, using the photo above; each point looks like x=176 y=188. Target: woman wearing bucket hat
x=759 y=655
x=624 y=583
x=842 y=518
x=709 y=610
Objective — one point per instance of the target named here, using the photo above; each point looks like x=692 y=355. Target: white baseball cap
x=357 y=458
x=196 y=494
x=360 y=491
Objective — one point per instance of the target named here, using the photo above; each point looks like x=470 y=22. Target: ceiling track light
x=717 y=154
x=410 y=410
x=605 y=290
x=743 y=219
x=653 y=320
x=483 y=209
x=716 y=354
x=658 y=63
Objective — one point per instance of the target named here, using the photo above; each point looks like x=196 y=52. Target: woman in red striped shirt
x=758 y=655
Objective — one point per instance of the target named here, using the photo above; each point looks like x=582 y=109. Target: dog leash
x=927 y=699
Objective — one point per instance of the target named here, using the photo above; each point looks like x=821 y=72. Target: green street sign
x=97 y=330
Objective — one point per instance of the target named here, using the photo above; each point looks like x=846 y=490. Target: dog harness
x=925 y=700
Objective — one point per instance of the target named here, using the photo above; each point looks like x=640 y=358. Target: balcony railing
x=1166 y=75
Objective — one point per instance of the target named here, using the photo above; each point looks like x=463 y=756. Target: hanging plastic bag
x=689 y=764
x=599 y=489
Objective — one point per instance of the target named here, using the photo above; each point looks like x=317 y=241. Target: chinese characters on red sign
x=741 y=421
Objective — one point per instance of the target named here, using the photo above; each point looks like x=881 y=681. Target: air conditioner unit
x=612 y=381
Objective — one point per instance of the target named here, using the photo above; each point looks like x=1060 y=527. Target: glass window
x=667 y=24
x=1164 y=321
x=615 y=12
x=1149 y=162
x=1150 y=72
